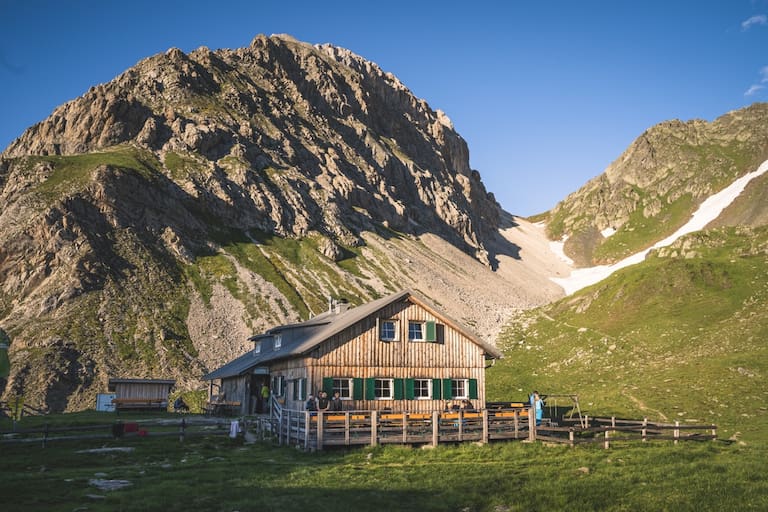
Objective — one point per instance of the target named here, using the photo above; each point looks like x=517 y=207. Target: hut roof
x=313 y=332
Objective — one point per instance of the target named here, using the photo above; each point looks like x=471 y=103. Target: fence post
x=517 y=423
x=677 y=431
x=320 y=426
x=485 y=426
x=531 y=424
x=307 y=426
x=405 y=427
x=45 y=434
x=645 y=429
x=714 y=432
x=347 y=428
x=374 y=427
x=607 y=445
x=435 y=427
x=571 y=437
x=181 y=430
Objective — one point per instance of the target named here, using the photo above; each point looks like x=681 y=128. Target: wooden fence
x=608 y=430
x=183 y=427
x=316 y=430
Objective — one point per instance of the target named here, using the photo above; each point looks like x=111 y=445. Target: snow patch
x=709 y=210
x=608 y=232
x=559 y=249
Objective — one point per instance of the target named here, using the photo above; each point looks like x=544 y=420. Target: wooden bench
x=122 y=404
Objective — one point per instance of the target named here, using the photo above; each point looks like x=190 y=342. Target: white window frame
x=394 y=329
x=278 y=341
x=422 y=330
x=377 y=387
x=350 y=387
x=278 y=385
x=464 y=384
x=428 y=383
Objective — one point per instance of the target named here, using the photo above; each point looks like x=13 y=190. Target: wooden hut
x=141 y=393
x=397 y=353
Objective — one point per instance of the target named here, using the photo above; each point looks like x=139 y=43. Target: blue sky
x=547 y=94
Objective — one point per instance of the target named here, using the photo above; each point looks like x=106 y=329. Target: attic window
x=422 y=331
x=257 y=347
x=278 y=341
x=388 y=330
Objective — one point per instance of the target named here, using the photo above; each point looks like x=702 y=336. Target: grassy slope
x=679 y=337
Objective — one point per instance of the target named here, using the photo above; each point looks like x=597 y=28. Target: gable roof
x=322 y=327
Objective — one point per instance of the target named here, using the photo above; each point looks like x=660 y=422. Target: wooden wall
x=147 y=390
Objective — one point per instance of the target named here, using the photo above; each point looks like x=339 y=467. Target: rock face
x=295 y=138
x=153 y=224
x=655 y=185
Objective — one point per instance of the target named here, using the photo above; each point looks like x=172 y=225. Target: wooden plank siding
x=357 y=352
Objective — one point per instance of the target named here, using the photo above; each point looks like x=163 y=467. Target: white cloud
x=753 y=89
x=759 y=19
x=764 y=74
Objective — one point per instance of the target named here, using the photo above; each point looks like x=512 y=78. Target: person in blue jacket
x=538 y=406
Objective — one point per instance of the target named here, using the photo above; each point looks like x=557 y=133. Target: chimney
x=341 y=305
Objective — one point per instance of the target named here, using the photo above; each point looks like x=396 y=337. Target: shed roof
x=324 y=326
x=112 y=382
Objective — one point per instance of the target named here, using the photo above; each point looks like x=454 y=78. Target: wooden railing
x=316 y=430
x=184 y=427
x=608 y=430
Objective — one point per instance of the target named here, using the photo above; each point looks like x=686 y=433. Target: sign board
x=104 y=402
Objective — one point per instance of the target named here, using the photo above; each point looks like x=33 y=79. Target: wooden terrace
x=317 y=430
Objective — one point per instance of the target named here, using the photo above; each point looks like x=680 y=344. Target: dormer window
x=278 y=341
x=257 y=347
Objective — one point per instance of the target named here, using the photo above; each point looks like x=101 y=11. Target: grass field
x=221 y=474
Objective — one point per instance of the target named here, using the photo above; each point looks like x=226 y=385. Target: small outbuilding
x=141 y=393
x=398 y=353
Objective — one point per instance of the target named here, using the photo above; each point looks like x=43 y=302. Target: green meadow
x=216 y=473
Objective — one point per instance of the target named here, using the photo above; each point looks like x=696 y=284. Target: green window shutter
x=295 y=389
x=473 y=388
x=447 y=389
x=328 y=385
x=409 y=391
x=431 y=334
x=303 y=389
x=436 y=389
x=357 y=389
x=370 y=389
x=398 y=389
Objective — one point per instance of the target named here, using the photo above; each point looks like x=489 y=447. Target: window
x=415 y=331
x=422 y=389
x=388 y=330
x=459 y=388
x=344 y=387
x=300 y=389
x=257 y=347
x=278 y=341
x=278 y=385
x=383 y=389
x=422 y=331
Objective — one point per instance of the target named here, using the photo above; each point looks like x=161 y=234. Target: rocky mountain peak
x=315 y=127
x=153 y=224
